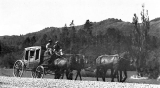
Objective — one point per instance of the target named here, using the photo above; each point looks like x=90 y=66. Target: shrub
x=8 y=59
x=152 y=63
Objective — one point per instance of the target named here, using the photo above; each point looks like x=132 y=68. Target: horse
x=123 y=65
x=76 y=63
x=114 y=62
x=54 y=62
x=61 y=65
x=73 y=62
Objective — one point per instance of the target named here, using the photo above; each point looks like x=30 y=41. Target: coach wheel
x=18 y=68
x=39 y=72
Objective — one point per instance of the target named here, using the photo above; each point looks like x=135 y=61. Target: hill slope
x=94 y=44
x=155 y=27
x=125 y=27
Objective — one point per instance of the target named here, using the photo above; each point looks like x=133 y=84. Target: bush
x=153 y=62
x=9 y=59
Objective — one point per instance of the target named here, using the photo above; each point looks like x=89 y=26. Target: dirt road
x=27 y=74
x=15 y=82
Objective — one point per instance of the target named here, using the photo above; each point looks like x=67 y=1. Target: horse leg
x=112 y=78
x=80 y=74
x=103 y=74
x=59 y=74
x=67 y=73
x=125 y=74
x=118 y=73
x=56 y=75
x=97 y=73
x=70 y=75
x=114 y=75
x=62 y=74
x=77 y=75
x=120 y=76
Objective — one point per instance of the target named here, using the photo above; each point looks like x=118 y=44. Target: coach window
x=32 y=53
x=37 y=54
x=26 y=55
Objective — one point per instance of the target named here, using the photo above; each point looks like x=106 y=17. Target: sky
x=26 y=16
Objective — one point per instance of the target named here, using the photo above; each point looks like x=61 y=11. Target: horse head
x=125 y=60
x=124 y=54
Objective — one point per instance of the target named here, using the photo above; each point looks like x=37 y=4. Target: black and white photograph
x=79 y=44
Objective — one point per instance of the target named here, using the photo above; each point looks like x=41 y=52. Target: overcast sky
x=25 y=16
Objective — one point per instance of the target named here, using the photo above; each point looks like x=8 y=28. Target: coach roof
x=33 y=48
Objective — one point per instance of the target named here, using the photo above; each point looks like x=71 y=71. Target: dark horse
x=54 y=63
x=61 y=65
x=117 y=63
x=76 y=62
x=70 y=63
x=123 y=66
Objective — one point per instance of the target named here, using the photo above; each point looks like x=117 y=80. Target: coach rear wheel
x=39 y=72
x=18 y=68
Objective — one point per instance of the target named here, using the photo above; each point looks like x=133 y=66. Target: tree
x=44 y=40
x=26 y=42
x=64 y=38
x=33 y=40
x=72 y=23
x=88 y=30
x=88 y=26
x=140 y=37
x=0 y=48
x=65 y=25
x=72 y=35
x=81 y=35
x=65 y=31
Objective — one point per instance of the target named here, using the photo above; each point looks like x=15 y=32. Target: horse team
x=66 y=63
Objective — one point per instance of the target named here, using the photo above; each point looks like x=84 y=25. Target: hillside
x=97 y=28
x=109 y=36
x=155 y=27
x=125 y=27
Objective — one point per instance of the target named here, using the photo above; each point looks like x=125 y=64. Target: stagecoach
x=33 y=60
x=30 y=62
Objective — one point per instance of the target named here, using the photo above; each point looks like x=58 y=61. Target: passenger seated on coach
x=57 y=48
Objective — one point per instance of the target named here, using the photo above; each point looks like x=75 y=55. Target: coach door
x=31 y=57
x=34 y=58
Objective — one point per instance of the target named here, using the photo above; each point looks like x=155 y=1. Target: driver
x=49 y=47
